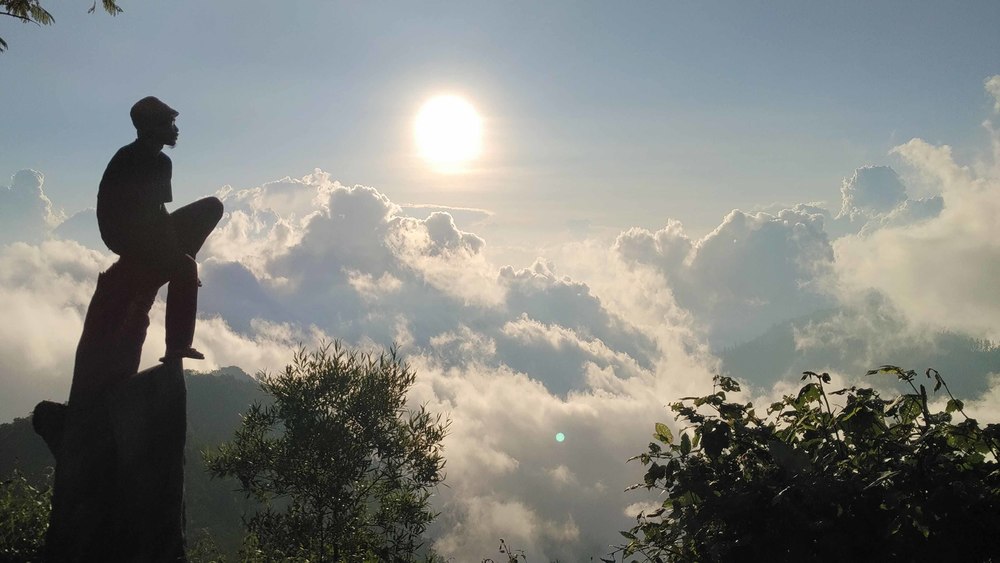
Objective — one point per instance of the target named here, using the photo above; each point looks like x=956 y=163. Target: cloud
x=82 y=228
x=514 y=355
x=509 y=478
x=940 y=272
x=992 y=85
x=44 y=292
x=467 y=216
x=753 y=270
x=26 y=213
x=359 y=268
x=871 y=191
x=909 y=212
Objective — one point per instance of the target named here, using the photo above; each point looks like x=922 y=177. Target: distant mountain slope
x=846 y=342
x=215 y=402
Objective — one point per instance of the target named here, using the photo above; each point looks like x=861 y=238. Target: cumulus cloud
x=467 y=216
x=509 y=477
x=753 y=270
x=940 y=272
x=82 y=228
x=514 y=355
x=871 y=191
x=44 y=292
x=26 y=213
x=758 y=269
x=359 y=268
x=992 y=85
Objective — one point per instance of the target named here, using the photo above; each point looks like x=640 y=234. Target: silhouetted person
x=155 y=245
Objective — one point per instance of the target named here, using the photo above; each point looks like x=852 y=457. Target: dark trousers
x=172 y=262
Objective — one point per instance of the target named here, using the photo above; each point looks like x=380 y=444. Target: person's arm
x=156 y=233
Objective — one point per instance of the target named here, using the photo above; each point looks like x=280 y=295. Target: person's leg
x=194 y=222
x=182 y=304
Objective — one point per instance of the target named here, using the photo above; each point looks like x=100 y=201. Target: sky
x=658 y=182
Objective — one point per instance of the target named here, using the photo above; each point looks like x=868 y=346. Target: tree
x=343 y=468
x=31 y=11
x=872 y=480
x=24 y=517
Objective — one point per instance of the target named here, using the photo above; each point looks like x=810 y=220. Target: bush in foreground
x=873 y=479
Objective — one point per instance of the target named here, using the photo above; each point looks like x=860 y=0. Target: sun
x=448 y=132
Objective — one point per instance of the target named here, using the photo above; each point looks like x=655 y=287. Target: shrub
x=873 y=479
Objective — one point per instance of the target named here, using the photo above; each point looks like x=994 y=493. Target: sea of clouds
x=517 y=353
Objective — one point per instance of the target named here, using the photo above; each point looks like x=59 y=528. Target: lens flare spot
x=560 y=437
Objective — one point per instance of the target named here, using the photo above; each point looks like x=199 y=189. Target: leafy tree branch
x=31 y=11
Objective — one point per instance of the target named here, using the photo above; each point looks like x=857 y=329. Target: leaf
x=938 y=382
x=685 y=444
x=715 y=438
x=954 y=405
x=727 y=383
x=808 y=394
x=883 y=477
x=791 y=460
x=663 y=433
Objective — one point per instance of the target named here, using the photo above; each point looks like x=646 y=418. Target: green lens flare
x=560 y=437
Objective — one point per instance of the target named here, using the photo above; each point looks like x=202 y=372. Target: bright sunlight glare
x=448 y=132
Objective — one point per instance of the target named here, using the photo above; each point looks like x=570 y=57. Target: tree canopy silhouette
x=31 y=11
x=343 y=467
x=871 y=480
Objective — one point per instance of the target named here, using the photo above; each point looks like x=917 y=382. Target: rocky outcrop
x=119 y=442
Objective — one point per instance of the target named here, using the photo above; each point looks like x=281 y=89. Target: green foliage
x=24 y=518
x=31 y=11
x=872 y=479
x=341 y=466
x=202 y=548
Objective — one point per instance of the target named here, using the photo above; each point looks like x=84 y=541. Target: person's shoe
x=190 y=353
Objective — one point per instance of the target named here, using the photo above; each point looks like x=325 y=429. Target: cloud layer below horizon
x=516 y=354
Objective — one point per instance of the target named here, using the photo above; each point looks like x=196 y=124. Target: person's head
x=154 y=121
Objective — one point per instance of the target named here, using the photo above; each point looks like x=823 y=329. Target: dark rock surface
x=119 y=443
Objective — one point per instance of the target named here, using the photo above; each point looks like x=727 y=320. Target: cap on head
x=150 y=111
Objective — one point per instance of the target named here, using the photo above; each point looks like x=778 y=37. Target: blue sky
x=605 y=123
x=620 y=115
